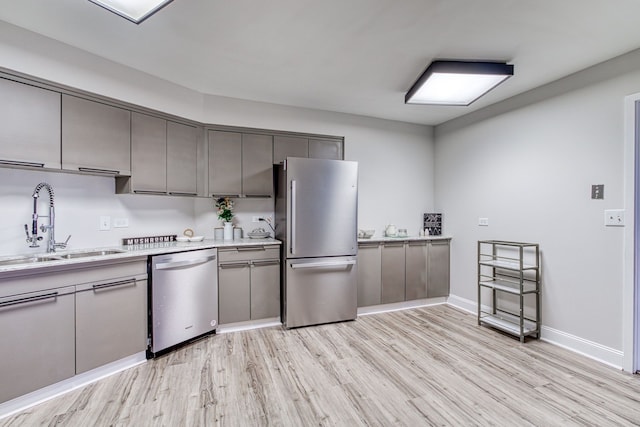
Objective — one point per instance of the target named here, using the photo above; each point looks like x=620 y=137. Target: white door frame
x=631 y=285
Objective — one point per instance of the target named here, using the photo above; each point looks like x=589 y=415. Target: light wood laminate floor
x=426 y=366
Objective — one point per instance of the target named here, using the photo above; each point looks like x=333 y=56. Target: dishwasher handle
x=178 y=264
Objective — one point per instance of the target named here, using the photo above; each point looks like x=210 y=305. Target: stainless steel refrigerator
x=316 y=219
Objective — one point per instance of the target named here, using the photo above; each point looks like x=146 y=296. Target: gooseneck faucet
x=34 y=238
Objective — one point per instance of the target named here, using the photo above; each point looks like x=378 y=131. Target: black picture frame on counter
x=432 y=224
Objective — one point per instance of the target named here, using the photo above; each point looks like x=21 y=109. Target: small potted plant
x=224 y=205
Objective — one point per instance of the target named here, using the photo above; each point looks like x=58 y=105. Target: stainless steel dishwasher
x=183 y=298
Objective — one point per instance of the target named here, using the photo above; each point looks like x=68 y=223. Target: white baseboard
x=590 y=349
x=54 y=390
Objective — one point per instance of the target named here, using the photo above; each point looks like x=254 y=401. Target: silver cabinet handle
x=176 y=264
x=28 y=299
x=149 y=192
x=292 y=217
x=329 y=264
x=393 y=245
x=114 y=284
x=265 y=262
x=19 y=163
x=102 y=171
x=177 y=193
x=235 y=265
x=251 y=249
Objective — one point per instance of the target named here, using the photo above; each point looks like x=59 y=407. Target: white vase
x=228 y=231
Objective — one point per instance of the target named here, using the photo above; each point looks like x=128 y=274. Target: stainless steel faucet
x=34 y=238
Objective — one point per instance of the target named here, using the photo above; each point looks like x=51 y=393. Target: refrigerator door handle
x=330 y=264
x=292 y=246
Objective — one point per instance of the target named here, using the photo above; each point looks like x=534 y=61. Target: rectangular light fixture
x=457 y=82
x=134 y=10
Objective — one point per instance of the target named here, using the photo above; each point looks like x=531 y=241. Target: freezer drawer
x=320 y=290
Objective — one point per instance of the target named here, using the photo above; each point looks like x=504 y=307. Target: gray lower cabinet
x=29 y=126
x=111 y=321
x=416 y=269
x=248 y=283
x=95 y=137
x=438 y=268
x=325 y=149
x=38 y=340
x=182 y=159
x=369 y=274
x=148 y=154
x=225 y=163
x=393 y=272
x=289 y=146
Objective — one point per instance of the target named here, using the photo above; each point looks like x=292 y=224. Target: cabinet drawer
x=246 y=253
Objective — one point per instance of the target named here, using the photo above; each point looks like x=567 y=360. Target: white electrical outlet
x=120 y=222
x=614 y=217
x=105 y=223
x=483 y=221
x=255 y=219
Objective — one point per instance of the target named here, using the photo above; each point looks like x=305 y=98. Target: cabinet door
x=29 y=126
x=38 y=341
x=95 y=137
x=416 y=270
x=182 y=159
x=289 y=146
x=111 y=322
x=257 y=165
x=369 y=278
x=225 y=163
x=393 y=272
x=325 y=149
x=148 y=154
x=438 y=276
x=234 y=292
x=265 y=289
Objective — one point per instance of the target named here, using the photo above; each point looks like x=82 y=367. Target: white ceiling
x=352 y=56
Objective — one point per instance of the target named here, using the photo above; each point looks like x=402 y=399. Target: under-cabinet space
x=29 y=126
x=95 y=137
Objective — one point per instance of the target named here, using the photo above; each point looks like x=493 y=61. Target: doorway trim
x=630 y=286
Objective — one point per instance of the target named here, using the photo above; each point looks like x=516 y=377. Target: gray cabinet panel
x=265 y=289
x=393 y=272
x=289 y=146
x=416 y=270
x=369 y=274
x=257 y=165
x=38 y=341
x=29 y=125
x=95 y=137
x=225 y=163
x=438 y=276
x=148 y=153
x=234 y=292
x=182 y=159
x=111 y=322
x=325 y=149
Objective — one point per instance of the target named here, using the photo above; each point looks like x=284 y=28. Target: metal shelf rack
x=510 y=268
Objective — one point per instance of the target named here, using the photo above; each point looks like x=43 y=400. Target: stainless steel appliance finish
x=184 y=297
x=316 y=218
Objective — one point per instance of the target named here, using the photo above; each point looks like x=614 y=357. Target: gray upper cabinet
x=182 y=159
x=289 y=146
x=257 y=165
x=225 y=163
x=95 y=137
x=325 y=149
x=29 y=126
x=148 y=154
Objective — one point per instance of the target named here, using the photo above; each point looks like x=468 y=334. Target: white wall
x=396 y=159
x=528 y=166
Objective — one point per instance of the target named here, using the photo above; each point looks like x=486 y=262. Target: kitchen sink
x=73 y=255
x=57 y=257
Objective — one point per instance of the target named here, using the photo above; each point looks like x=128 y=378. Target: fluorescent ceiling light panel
x=457 y=82
x=133 y=10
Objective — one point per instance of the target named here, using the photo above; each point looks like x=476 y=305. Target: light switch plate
x=105 y=223
x=614 y=217
x=483 y=221
x=120 y=222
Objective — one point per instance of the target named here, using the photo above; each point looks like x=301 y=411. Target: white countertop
x=403 y=239
x=131 y=252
